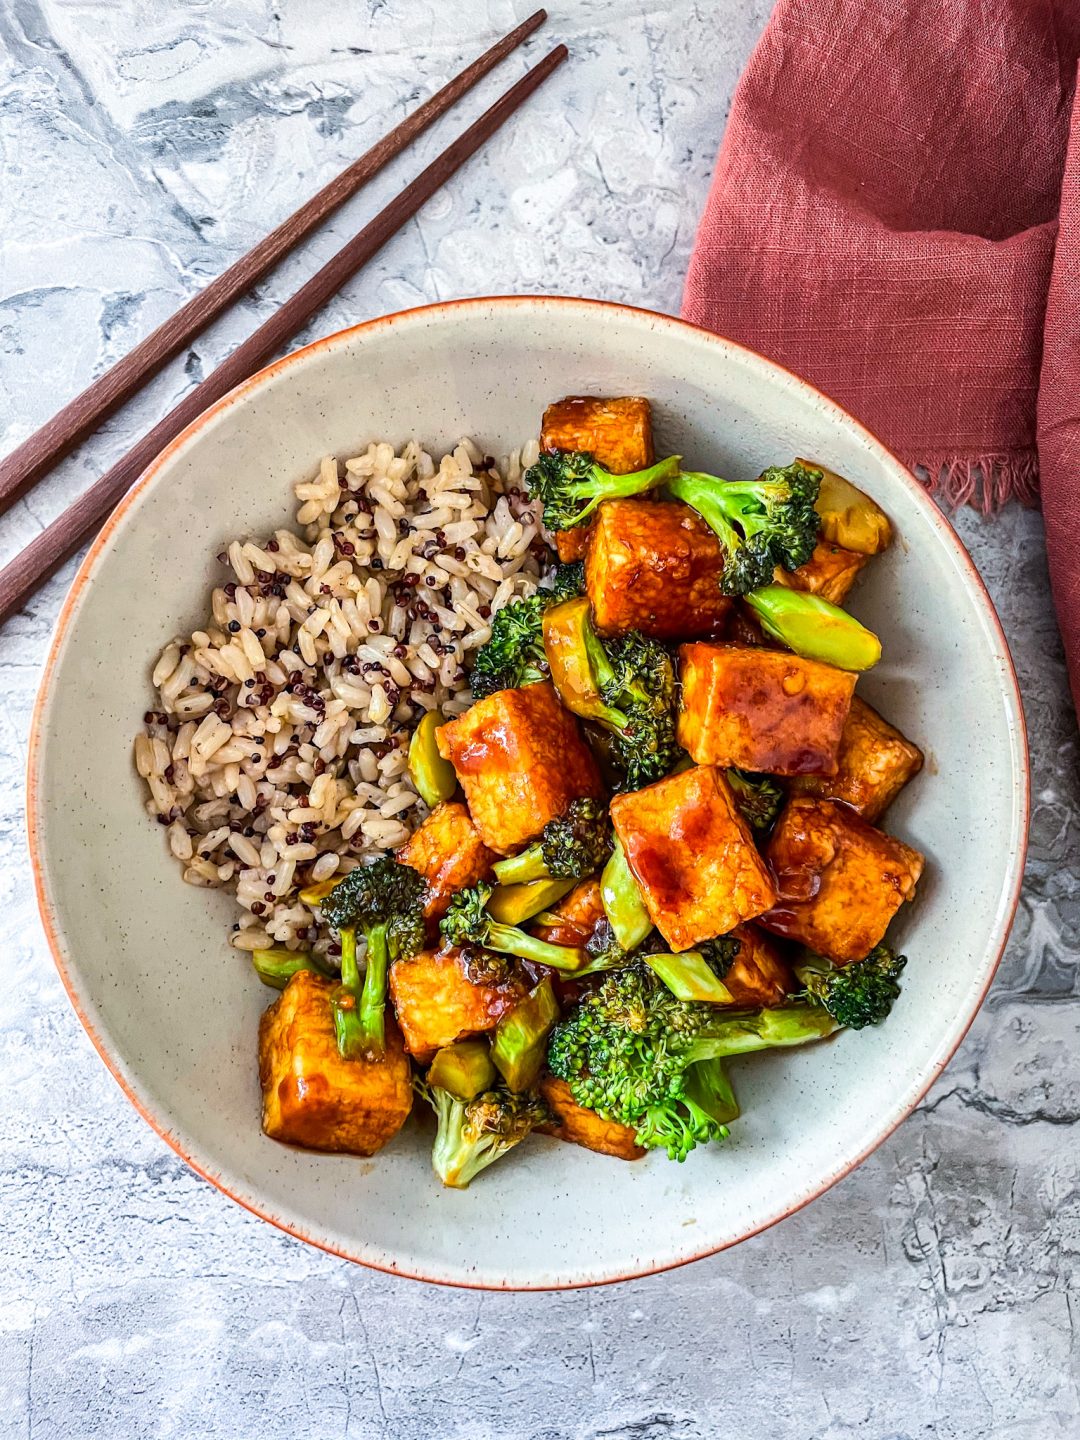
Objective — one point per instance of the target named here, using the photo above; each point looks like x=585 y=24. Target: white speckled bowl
x=173 y=1009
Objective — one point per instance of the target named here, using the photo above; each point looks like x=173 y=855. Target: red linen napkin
x=889 y=218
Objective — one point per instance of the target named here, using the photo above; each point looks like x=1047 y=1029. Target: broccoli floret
x=638 y=687
x=855 y=995
x=635 y=681
x=605 y=952
x=468 y=922
x=568 y=581
x=625 y=685
x=626 y=1049
x=760 y=523
x=758 y=797
x=571 y=484
x=719 y=954
x=514 y=654
x=572 y=846
x=473 y=1134
x=385 y=901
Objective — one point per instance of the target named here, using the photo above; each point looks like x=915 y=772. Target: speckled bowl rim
x=85 y=576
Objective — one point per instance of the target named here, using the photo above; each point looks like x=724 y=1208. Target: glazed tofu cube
x=759 y=975
x=581 y=1126
x=520 y=759
x=313 y=1097
x=575 y=917
x=572 y=544
x=442 y=996
x=830 y=572
x=448 y=851
x=763 y=710
x=654 y=566
x=839 y=881
x=616 y=432
x=873 y=765
x=692 y=854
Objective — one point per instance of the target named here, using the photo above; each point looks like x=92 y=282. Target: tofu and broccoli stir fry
x=650 y=845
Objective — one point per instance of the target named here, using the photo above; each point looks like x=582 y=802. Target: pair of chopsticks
x=36 y=455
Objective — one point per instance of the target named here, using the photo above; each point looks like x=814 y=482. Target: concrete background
x=931 y=1294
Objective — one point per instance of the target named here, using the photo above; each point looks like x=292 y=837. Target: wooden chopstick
x=57 y=437
x=34 y=564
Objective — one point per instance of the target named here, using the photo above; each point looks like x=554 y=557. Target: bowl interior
x=174 y=1009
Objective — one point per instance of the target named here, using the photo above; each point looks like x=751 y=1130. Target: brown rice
x=275 y=756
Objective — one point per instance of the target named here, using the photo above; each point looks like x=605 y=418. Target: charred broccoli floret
x=605 y=952
x=758 y=797
x=473 y=1134
x=385 y=901
x=571 y=484
x=627 y=1049
x=719 y=954
x=638 y=688
x=760 y=523
x=514 y=655
x=568 y=580
x=572 y=846
x=469 y=922
x=855 y=995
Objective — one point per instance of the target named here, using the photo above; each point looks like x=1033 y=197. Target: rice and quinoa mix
x=276 y=754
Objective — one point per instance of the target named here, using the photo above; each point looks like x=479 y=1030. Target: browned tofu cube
x=442 y=996
x=873 y=765
x=313 y=1097
x=692 y=854
x=764 y=710
x=654 y=566
x=581 y=1126
x=839 y=881
x=576 y=916
x=448 y=851
x=616 y=432
x=520 y=758
x=759 y=975
x=830 y=572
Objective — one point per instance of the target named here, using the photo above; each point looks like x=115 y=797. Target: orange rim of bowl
x=84 y=575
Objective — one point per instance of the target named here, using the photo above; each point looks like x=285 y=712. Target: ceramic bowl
x=173 y=1010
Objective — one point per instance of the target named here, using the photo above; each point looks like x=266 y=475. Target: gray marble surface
x=934 y=1293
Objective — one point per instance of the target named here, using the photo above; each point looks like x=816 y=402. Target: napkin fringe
x=986 y=482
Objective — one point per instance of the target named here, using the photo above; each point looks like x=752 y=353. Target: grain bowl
x=147 y=959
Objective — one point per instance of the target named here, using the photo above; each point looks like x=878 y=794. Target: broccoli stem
x=347 y=1027
x=523 y=868
x=689 y=977
x=373 y=995
x=763 y=1030
x=708 y=1086
x=621 y=898
x=276 y=967
x=701 y=493
x=814 y=628
x=579 y=664
x=360 y=1010
x=520 y=1040
x=509 y=940
x=600 y=485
